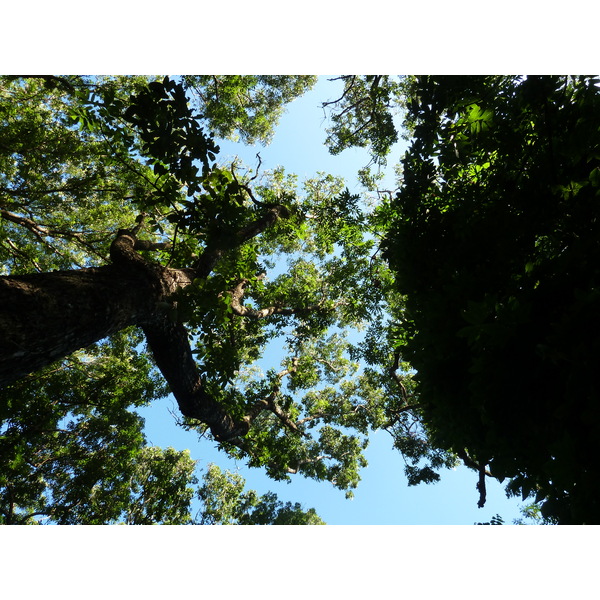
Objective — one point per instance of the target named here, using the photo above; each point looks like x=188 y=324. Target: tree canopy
x=493 y=238
x=457 y=314
x=153 y=268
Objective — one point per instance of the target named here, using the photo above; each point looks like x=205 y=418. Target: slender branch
x=70 y=187
x=363 y=126
x=248 y=190
x=393 y=373
x=328 y=364
x=18 y=252
x=282 y=415
x=42 y=231
x=237 y=294
x=353 y=106
x=269 y=403
x=321 y=415
x=346 y=89
x=53 y=80
x=173 y=244
x=257 y=166
x=307 y=461
x=11 y=507
x=216 y=82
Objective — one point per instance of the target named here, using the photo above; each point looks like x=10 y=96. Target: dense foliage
x=363 y=115
x=245 y=107
x=495 y=240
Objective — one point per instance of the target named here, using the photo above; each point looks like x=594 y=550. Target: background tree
x=363 y=115
x=224 y=502
x=245 y=107
x=493 y=238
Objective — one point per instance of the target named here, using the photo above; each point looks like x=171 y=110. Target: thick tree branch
x=257 y=227
x=481 y=487
x=169 y=343
x=211 y=255
x=171 y=349
x=148 y=245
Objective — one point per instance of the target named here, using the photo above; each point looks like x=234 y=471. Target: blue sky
x=383 y=496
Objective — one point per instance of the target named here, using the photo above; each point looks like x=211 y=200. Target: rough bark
x=47 y=316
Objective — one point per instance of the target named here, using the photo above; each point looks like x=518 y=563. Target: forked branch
x=239 y=309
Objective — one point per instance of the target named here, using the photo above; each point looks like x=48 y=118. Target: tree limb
x=237 y=294
x=481 y=487
x=170 y=346
x=346 y=89
x=271 y=405
x=480 y=468
x=393 y=373
x=171 y=349
x=52 y=80
x=211 y=255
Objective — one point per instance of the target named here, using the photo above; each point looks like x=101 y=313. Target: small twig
x=247 y=188
x=257 y=167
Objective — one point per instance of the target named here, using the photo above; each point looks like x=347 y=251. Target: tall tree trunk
x=47 y=316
